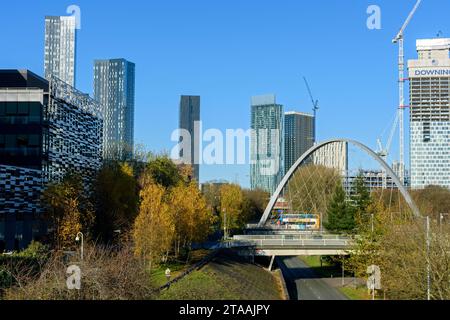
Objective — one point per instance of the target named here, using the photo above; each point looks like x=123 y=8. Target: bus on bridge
x=301 y=221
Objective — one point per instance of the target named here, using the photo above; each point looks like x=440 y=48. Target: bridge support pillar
x=271 y=263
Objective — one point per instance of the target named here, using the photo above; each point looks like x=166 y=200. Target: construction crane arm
x=391 y=136
x=408 y=20
x=315 y=103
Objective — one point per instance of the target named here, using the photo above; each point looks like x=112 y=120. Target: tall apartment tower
x=333 y=156
x=190 y=122
x=266 y=145
x=298 y=136
x=114 y=87
x=60 y=48
x=430 y=114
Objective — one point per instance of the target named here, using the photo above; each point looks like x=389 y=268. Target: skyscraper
x=189 y=121
x=430 y=114
x=267 y=147
x=114 y=85
x=60 y=48
x=334 y=156
x=298 y=136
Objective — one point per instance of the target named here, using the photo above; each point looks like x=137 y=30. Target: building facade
x=189 y=122
x=114 y=89
x=333 y=155
x=60 y=48
x=266 y=143
x=430 y=114
x=47 y=129
x=298 y=136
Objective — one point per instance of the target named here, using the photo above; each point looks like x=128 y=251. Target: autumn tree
x=69 y=209
x=311 y=189
x=231 y=205
x=190 y=215
x=154 y=229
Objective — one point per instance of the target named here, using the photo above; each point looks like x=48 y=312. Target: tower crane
x=383 y=152
x=401 y=66
x=315 y=104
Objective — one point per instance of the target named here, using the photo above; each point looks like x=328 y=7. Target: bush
x=106 y=275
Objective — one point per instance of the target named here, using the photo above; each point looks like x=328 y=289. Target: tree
x=154 y=228
x=163 y=171
x=117 y=199
x=190 y=214
x=69 y=209
x=311 y=189
x=255 y=202
x=231 y=205
x=341 y=214
x=361 y=199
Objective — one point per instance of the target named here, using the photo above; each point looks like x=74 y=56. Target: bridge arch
x=318 y=146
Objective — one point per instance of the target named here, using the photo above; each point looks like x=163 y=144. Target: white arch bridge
x=283 y=243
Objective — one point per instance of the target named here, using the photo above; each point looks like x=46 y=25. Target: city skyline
x=270 y=71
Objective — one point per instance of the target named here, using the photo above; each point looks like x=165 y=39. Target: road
x=303 y=284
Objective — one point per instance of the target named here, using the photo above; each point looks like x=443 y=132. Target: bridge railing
x=282 y=242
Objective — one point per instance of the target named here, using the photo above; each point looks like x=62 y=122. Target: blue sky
x=227 y=51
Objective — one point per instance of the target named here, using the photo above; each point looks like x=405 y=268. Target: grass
x=358 y=293
x=227 y=277
x=177 y=267
x=326 y=270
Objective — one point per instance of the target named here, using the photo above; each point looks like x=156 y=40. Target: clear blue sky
x=227 y=51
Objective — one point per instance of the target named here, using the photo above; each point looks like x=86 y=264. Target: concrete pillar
x=271 y=263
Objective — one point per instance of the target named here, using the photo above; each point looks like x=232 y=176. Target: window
x=11 y=107
x=33 y=140
x=22 y=108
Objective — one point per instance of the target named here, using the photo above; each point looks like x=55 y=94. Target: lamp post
x=225 y=236
x=79 y=237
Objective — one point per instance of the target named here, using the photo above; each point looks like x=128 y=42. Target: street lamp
x=225 y=236
x=78 y=238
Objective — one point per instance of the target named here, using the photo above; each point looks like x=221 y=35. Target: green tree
x=117 y=200
x=163 y=171
x=341 y=214
x=361 y=199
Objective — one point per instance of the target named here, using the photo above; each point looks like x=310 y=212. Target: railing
x=283 y=242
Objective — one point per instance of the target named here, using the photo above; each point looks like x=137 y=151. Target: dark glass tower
x=298 y=136
x=190 y=121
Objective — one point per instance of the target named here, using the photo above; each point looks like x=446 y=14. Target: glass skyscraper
x=430 y=114
x=267 y=147
x=114 y=87
x=298 y=136
x=189 y=121
x=60 y=48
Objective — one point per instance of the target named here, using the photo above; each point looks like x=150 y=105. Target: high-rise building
x=430 y=114
x=114 y=86
x=47 y=129
x=334 y=156
x=298 y=136
x=266 y=145
x=60 y=48
x=190 y=122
